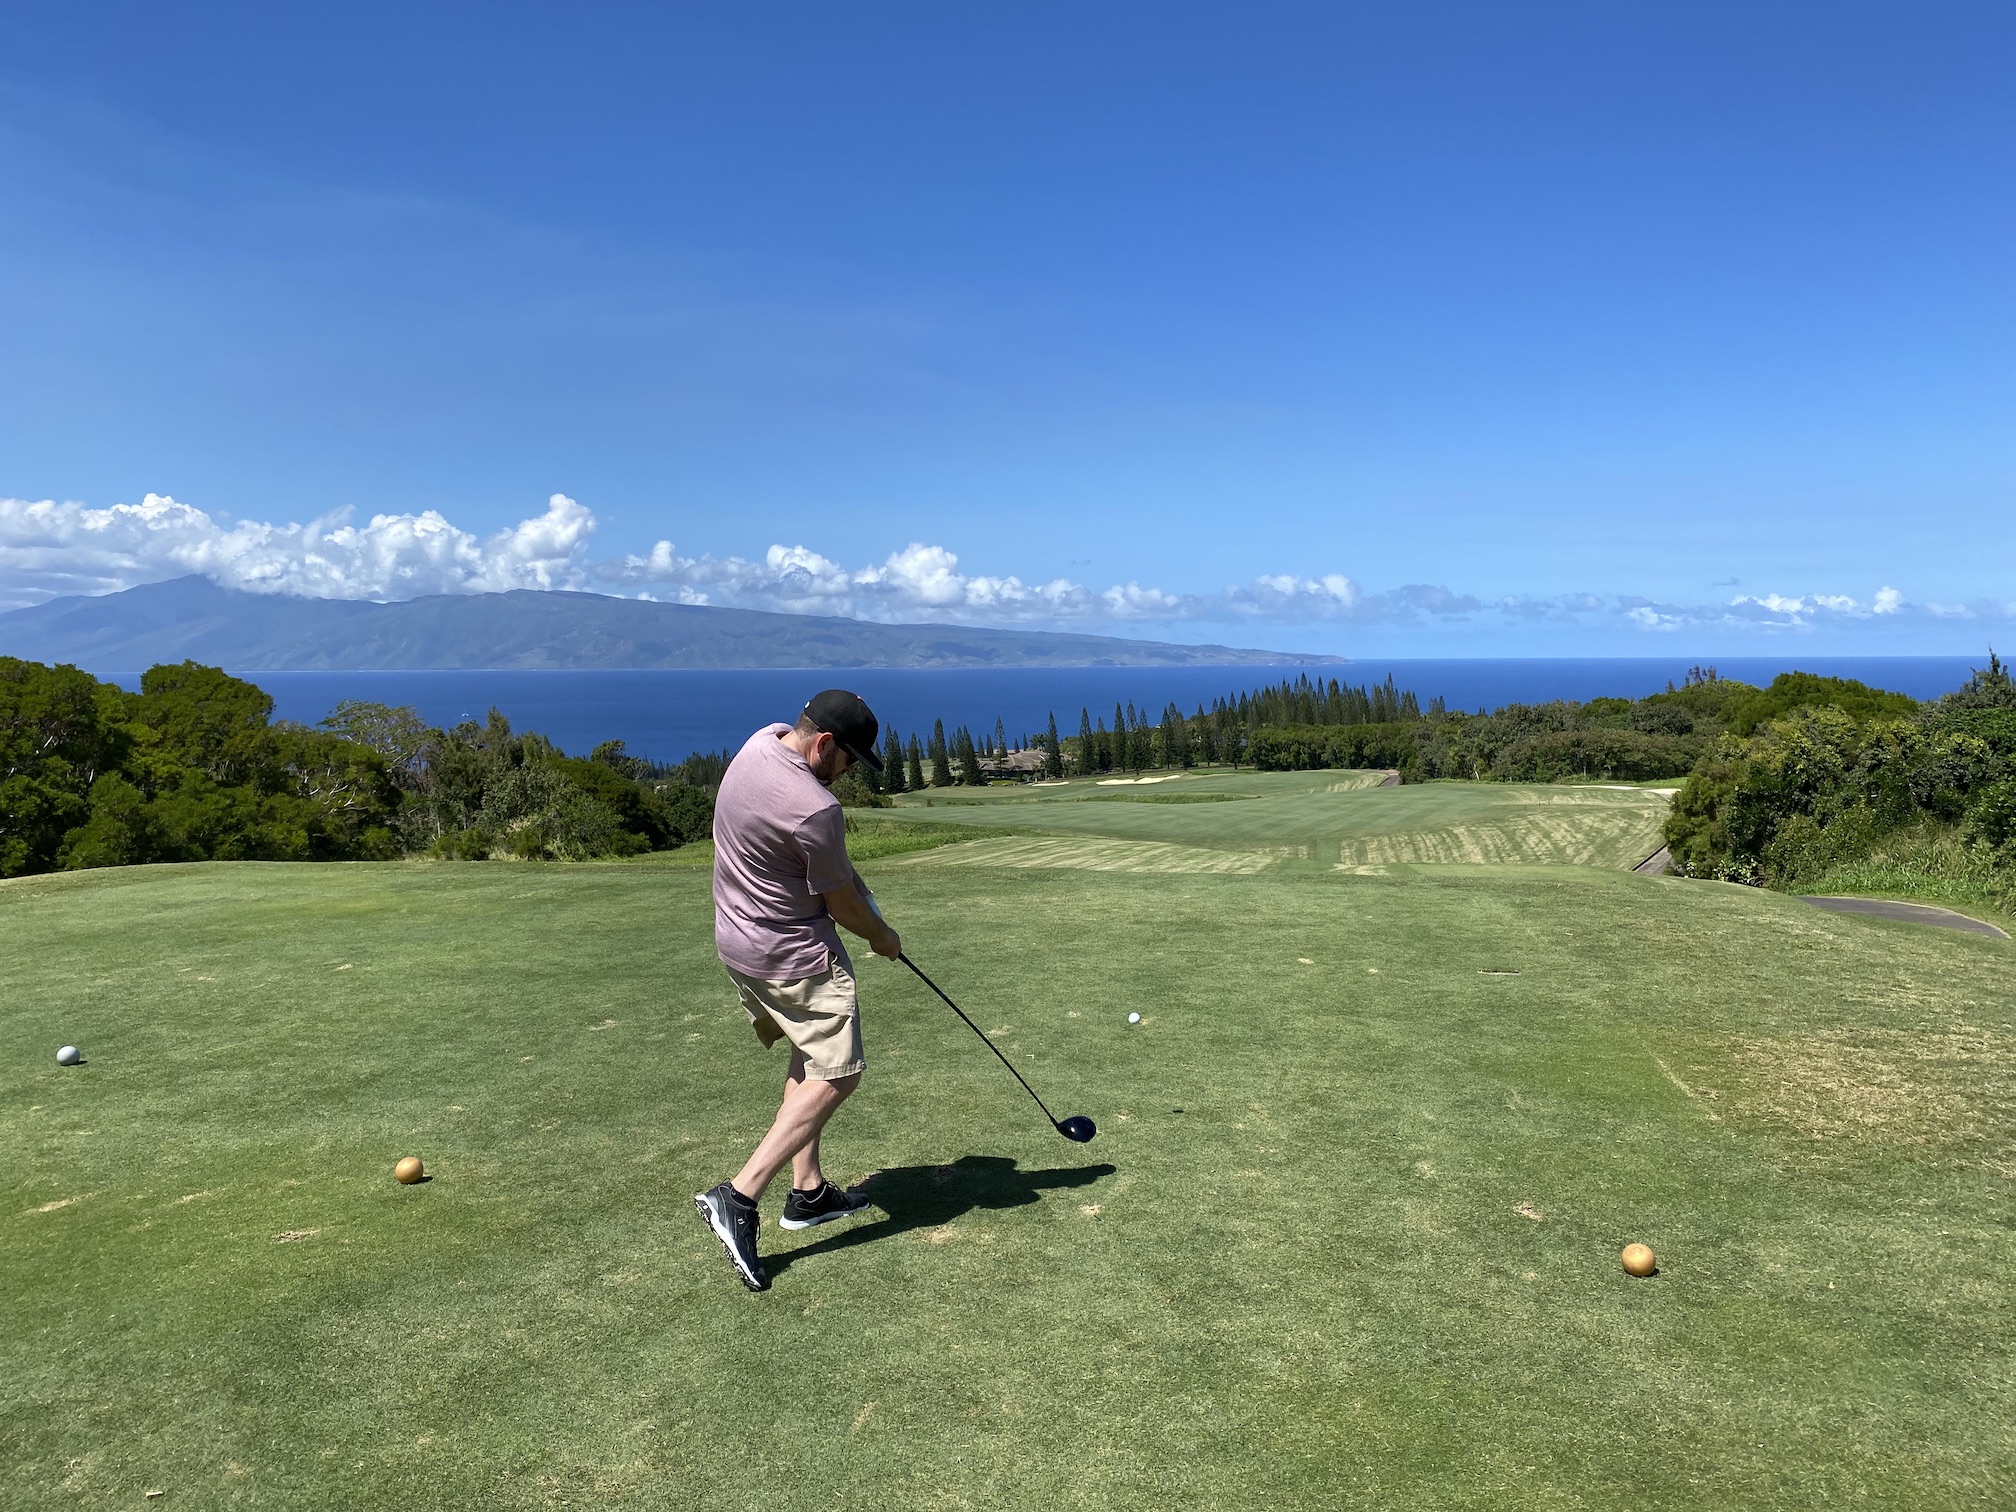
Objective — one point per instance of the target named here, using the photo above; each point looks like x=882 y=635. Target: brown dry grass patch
x=1913 y=1087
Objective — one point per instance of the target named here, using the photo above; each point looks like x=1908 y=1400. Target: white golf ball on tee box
x=1133 y=1018
x=68 y=1056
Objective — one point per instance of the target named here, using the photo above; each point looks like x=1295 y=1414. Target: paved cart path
x=1908 y=913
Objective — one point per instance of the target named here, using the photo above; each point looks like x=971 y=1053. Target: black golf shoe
x=803 y=1210
x=735 y=1224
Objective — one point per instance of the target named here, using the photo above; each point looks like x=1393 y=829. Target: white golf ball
x=1133 y=1018
x=68 y=1056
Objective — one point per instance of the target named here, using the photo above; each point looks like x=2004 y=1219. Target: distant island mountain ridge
x=193 y=619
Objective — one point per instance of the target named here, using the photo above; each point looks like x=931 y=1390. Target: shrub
x=1629 y=755
x=853 y=791
x=1805 y=690
x=1992 y=819
x=463 y=845
x=1825 y=791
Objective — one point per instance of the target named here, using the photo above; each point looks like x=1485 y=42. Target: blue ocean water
x=669 y=714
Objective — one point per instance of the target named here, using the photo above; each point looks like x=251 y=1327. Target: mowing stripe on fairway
x=1092 y=855
x=1579 y=837
x=1336 y=817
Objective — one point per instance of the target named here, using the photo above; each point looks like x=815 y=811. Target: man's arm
x=851 y=912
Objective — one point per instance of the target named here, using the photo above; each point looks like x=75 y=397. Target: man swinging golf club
x=782 y=880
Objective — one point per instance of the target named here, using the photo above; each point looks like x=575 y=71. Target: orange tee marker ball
x=1638 y=1258
x=410 y=1170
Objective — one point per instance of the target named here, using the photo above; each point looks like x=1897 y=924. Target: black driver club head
x=1077 y=1128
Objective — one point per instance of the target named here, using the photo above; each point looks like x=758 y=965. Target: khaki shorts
x=818 y=1014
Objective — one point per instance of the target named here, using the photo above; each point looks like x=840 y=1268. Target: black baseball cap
x=848 y=720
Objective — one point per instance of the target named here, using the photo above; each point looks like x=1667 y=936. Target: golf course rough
x=1349 y=1237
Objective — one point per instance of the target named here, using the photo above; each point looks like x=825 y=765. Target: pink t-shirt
x=780 y=840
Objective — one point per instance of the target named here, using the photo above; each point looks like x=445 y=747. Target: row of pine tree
x=1209 y=737
x=915 y=764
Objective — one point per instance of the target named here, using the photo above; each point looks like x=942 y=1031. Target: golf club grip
x=979 y=1031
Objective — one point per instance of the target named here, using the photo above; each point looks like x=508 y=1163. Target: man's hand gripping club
x=853 y=912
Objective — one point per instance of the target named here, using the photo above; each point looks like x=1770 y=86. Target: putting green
x=1348 y=1237
x=1328 y=818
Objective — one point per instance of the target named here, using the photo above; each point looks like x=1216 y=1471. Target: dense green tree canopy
x=1823 y=785
x=191 y=767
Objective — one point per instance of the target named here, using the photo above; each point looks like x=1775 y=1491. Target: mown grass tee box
x=1349 y=1236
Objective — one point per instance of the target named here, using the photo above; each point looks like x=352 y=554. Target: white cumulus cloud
x=1804 y=608
x=47 y=549
x=1783 y=613
x=919 y=581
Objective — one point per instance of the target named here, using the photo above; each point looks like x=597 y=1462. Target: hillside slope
x=193 y=619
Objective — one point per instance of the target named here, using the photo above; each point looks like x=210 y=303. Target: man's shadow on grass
x=923 y=1197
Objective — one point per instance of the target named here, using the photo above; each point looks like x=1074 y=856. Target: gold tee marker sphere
x=410 y=1170
x=1638 y=1260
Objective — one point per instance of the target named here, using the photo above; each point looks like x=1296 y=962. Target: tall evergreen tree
x=1088 y=748
x=1053 y=753
x=1000 y=737
x=913 y=766
x=970 y=773
x=892 y=763
x=1119 y=759
x=1232 y=731
x=1207 y=737
x=941 y=758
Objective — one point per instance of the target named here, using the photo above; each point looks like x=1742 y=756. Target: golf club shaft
x=983 y=1036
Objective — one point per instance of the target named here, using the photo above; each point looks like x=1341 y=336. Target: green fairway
x=1329 y=818
x=1348 y=1236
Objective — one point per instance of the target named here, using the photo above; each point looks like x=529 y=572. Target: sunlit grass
x=1348 y=1236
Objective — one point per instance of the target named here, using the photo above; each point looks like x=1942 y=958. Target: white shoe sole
x=805 y=1223
x=721 y=1232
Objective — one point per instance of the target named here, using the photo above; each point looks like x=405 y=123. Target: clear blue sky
x=1622 y=313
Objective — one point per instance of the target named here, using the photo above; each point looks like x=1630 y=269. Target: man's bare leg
x=805 y=1173
x=794 y=1136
